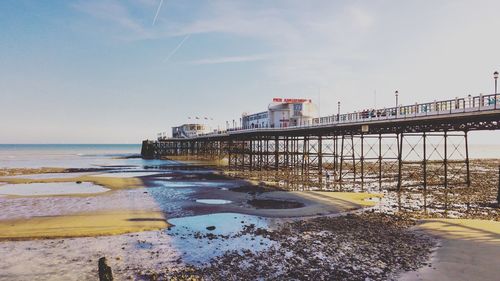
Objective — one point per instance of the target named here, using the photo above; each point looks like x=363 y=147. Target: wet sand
x=150 y=221
x=64 y=235
x=468 y=250
x=81 y=225
x=172 y=198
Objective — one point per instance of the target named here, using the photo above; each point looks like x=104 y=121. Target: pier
x=420 y=145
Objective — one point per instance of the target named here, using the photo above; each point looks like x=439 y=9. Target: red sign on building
x=286 y=100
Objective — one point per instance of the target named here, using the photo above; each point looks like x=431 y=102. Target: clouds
x=113 y=12
x=232 y=59
x=311 y=41
x=321 y=43
x=225 y=57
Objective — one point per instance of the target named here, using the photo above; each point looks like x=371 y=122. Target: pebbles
x=353 y=247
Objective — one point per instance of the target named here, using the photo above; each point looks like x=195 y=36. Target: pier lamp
x=338 y=111
x=495 y=75
x=396 y=93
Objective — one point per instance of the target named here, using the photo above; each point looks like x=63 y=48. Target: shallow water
x=189 y=235
x=125 y=174
x=48 y=176
x=214 y=201
x=73 y=156
x=62 y=188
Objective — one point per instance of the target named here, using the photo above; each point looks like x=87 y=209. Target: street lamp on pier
x=338 y=111
x=396 y=94
x=495 y=76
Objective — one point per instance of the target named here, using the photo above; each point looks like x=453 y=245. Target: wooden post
x=105 y=273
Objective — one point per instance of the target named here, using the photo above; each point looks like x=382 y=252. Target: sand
x=81 y=225
x=109 y=182
x=44 y=189
x=469 y=250
x=465 y=229
x=24 y=171
x=359 y=198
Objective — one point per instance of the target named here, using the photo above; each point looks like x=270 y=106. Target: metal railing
x=443 y=107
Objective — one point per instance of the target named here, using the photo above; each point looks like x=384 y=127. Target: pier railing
x=434 y=108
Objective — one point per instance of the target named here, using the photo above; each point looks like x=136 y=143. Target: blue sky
x=107 y=71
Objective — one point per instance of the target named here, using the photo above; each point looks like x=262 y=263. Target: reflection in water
x=214 y=201
x=201 y=238
x=125 y=174
x=49 y=176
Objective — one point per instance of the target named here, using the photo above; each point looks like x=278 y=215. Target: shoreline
x=171 y=195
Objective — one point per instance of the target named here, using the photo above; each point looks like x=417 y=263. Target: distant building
x=257 y=120
x=190 y=130
x=282 y=113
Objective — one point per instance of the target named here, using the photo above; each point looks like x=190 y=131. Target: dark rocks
x=211 y=228
x=353 y=247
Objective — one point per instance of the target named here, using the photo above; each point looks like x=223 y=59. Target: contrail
x=157 y=12
x=177 y=48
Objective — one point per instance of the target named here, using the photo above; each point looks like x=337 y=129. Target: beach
x=161 y=219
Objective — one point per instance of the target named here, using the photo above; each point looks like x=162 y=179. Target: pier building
x=282 y=113
x=190 y=130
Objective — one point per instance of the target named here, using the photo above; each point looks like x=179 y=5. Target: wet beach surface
x=207 y=218
x=209 y=226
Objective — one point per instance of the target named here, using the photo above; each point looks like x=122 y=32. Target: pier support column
x=400 y=159
x=320 y=160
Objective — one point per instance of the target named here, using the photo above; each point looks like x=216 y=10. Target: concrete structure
x=291 y=113
x=282 y=113
x=190 y=130
x=256 y=120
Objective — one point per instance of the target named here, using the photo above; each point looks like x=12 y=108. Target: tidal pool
x=49 y=176
x=274 y=204
x=59 y=188
x=125 y=174
x=214 y=201
x=225 y=232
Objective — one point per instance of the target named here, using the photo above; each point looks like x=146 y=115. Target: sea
x=69 y=155
x=100 y=155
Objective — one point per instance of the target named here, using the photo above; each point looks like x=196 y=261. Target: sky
x=109 y=71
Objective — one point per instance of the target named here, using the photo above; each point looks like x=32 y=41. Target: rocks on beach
x=354 y=247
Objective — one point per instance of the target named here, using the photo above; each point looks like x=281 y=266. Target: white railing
x=444 y=107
